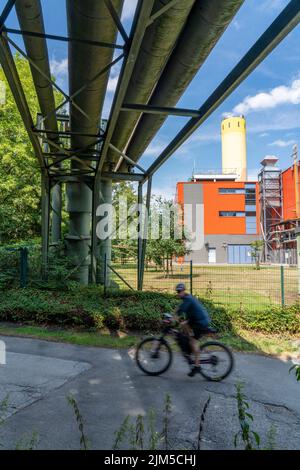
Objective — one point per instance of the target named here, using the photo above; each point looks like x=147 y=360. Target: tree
x=123 y=249
x=20 y=182
x=256 y=248
x=163 y=250
x=19 y=169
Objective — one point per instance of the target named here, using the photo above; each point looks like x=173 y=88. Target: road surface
x=107 y=385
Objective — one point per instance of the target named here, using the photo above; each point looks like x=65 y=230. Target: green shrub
x=127 y=310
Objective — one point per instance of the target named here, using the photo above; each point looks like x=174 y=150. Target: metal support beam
x=104 y=253
x=279 y=29
x=45 y=224
x=123 y=176
x=128 y=159
x=5 y=13
x=81 y=89
x=63 y=38
x=56 y=206
x=66 y=134
x=162 y=10
x=138 y=30
x=94 y=250
x=145 y=234
x=116 y=19
x=140 y=238
x=161 y=110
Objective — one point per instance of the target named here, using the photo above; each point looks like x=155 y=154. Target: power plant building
x=230 y=212
x=225 y=205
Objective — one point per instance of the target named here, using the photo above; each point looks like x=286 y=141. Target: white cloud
x=129 y=9
x=166 y=191
x=227 y=115
x=59 y=68
x=282 y=143
x=154 y=150
x=112 y=84
x=280 y=95
x=264 y=134
x=275 y=121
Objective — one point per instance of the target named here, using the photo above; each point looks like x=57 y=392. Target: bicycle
x=154 y=355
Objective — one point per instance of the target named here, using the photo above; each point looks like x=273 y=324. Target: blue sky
x=269 y=98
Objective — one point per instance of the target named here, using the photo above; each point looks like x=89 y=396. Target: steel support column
x=140 y=238
x=56 y=205
x=45 y=196
x=145 y=233
x=94 y=245
x=79 y=204
x=104 y=252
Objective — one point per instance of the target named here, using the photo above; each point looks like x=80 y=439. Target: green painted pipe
x=204 y=27
x=157 y=45
x=30 y=17
x=87 y=20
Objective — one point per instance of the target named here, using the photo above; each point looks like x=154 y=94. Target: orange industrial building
x=229 y=212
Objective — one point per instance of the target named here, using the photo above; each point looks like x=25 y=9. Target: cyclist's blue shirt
x=195 y=312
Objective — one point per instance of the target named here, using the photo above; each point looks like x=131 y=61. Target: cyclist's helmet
x=180 y=287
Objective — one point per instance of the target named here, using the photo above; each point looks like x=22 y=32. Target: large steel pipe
x=30 y=17
x=205 y=25
x=87 y=20
x=156 y=48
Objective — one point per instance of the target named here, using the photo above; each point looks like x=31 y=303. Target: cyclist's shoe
x=195 y=370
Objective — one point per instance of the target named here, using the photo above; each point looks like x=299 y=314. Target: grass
x=244 y=341
x=71 y=336
x=227 y=285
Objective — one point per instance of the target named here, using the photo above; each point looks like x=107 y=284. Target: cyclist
x=196 y=321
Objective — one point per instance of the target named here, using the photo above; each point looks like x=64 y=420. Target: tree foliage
x=161 y=250
x=256 y=248
x=170 y=244
x=19 y=169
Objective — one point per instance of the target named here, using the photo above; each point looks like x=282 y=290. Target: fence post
x=23 y=267
x=191 y=276
x=282 y=285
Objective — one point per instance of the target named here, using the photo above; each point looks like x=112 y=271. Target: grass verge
x=244 y=341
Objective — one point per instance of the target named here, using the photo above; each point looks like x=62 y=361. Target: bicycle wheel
x=150 y=363
x=216 y=361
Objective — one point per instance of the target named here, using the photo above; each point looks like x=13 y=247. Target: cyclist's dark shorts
x=198 y=331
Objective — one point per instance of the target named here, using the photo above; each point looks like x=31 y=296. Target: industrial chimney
x=234 y=151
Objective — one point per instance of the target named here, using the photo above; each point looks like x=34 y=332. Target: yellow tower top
x=233 y=124
x=234 y=150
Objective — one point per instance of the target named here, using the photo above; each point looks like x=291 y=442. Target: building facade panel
x=216 y=202
x=225 y=217
x=222 y=245
x=289 y=193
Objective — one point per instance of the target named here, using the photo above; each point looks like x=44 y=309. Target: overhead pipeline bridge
x=167 y=45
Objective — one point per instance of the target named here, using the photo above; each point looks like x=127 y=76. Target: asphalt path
x=39 y=376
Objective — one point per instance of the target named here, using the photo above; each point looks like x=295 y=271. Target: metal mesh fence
x=231 y=285
x=235 y=285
